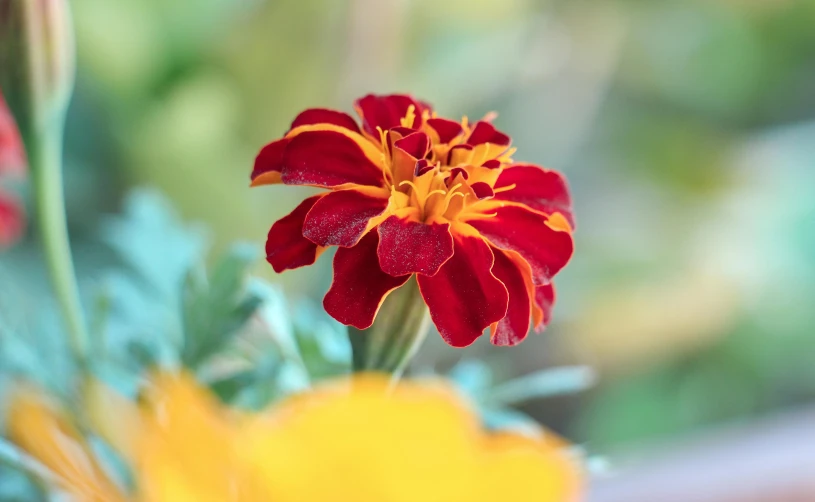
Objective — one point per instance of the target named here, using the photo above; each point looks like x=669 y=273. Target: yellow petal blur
x=188 y=448
x=417 y=442
x=357 y=439
x=45 y=432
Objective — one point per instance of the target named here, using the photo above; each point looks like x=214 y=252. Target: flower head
x=12 y=164
x=36 y=60
x=351 y=440
x=410 y=193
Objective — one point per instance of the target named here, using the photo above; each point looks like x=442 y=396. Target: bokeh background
x=686 y=129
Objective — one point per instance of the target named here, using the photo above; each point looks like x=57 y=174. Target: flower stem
x=407 y=343
x=44 y=150
x=399 y=330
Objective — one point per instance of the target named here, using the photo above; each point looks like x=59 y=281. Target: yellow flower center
x=452 y=178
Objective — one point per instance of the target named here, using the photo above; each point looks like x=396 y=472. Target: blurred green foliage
x=685 y=128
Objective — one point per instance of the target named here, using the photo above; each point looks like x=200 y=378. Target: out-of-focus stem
x=37 y=73
x=44 y=149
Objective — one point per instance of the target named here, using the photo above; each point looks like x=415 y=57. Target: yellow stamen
x=421 y=200
x=383 y=139
x=506 y=157
x=449 y=197
x=505 y=189
x=386 y=158
x=481 y=216
x=409 y=117
x=410 y=184
x=434 y=192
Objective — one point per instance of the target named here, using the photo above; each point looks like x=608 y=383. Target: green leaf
x=137 y=310
x=541 y=384
x=215 y=308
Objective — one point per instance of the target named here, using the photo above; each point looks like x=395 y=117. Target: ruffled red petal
x=446 y=129
x=484 y=132
x=386 y=112
x=545 y=301
x=269 y=163
x=409 y=247
x=541 y=189
x=407 y=152
x=341 y=218
x=482 y=190
x=416 y=145
x=513 y=328
x=286 y=247
x=547 y=249
x=327 y=158
x=12 y=220
x=464 y=297
x=326 y=116
x=359 y=286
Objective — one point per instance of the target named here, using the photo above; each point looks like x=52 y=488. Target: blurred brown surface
x=769 y=461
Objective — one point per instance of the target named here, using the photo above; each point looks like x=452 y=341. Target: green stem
x=44 y=150
x=399 y=330
x=407 y=341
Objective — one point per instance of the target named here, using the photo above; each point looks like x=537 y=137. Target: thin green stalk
x=37 y=74
x=411 y=345
x=399 y=330
x=45 y=158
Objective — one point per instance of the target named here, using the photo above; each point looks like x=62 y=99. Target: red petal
x=359 y=286
x=12 y=220
x=408 y=247
x=514 y=227
x=326 y=116
x=464 y=297
x=456 y=172
x=386 y=112
x=341 y=218
x=407 y=152
x=455 y=155
x=484 y=132
x=416 y=145
x=545 y=300
x=286 y=247
x=538 y=188
x=513 y=328
x=422 y=166
x=482 y=190
x=399 y=132
x=327 y=159
x=269 y=163
x=445 y=128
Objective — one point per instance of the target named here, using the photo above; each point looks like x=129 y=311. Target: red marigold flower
x=410 y=193
x=12 y=163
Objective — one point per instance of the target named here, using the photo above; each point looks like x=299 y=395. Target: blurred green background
x=686 y=129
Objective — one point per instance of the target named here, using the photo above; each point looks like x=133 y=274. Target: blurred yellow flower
x=353 y=440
